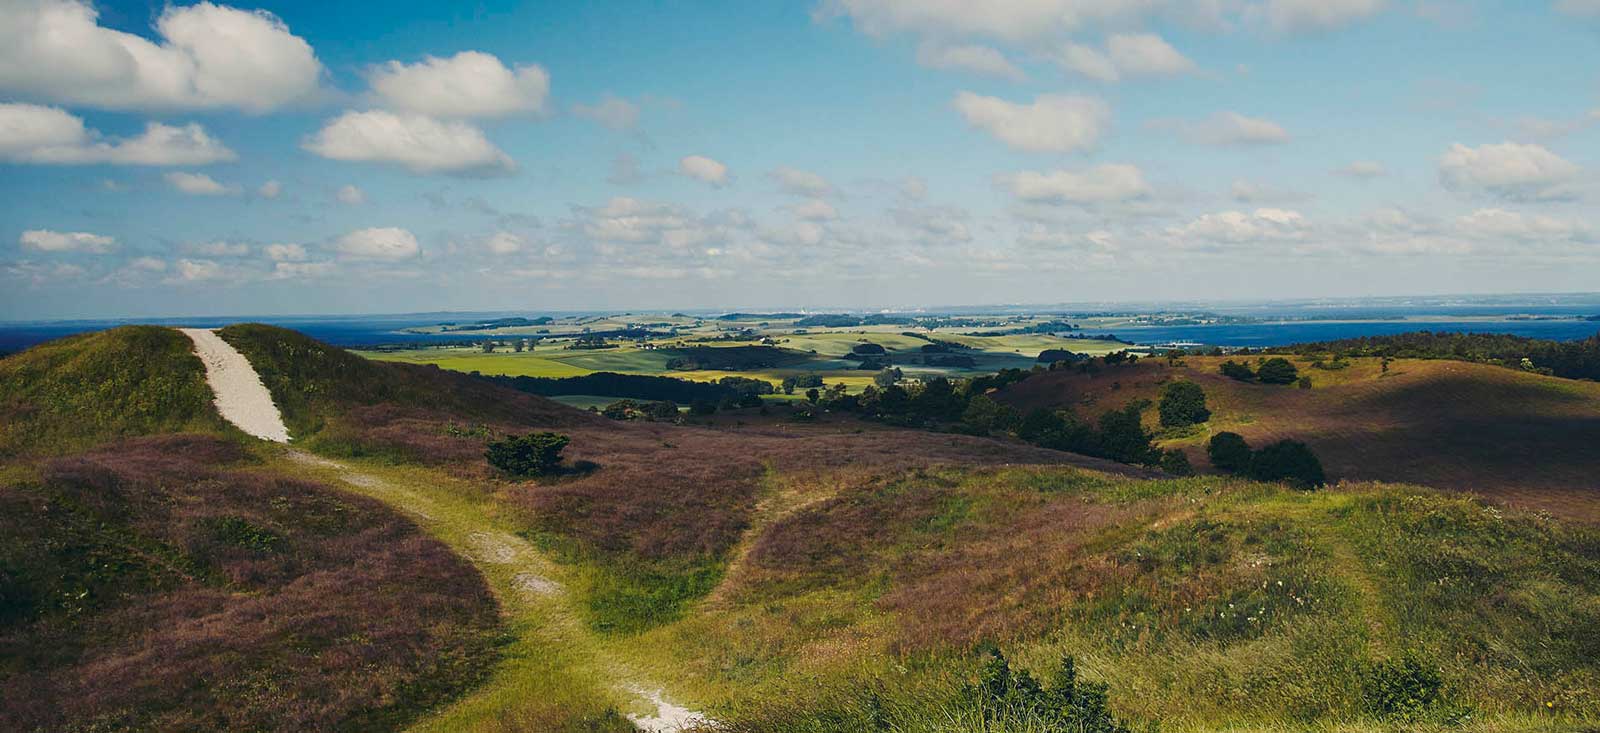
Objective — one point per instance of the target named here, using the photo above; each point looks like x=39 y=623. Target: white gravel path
x=241 y=397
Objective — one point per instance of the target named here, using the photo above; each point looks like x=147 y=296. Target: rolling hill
x=1513 y=435
x=837 y=576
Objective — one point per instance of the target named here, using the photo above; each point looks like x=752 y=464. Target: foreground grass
x=553 y=675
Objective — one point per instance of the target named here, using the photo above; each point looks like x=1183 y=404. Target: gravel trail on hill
x=241 y=398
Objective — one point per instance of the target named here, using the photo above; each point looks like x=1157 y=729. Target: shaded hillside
x=1440 y=423
x=131 y=380
x=162 y=583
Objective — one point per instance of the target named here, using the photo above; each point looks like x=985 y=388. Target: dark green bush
x=1288 y=460
x=1183 y=404
x=535 y=454
x=1229 y=452
x=1176 y=462
x=1068 y=705
x=1234 y=370
x=1277 y=370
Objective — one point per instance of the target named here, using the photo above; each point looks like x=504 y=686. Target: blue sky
x=302 y=158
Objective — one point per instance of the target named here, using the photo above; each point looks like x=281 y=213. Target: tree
x=1229 y=452
x=1183 y=404
x=888 y=376
x=1277 y=370
x=1176 y=462
x=488 y=347
x=788 y=385
x=1290 y=461
x=986 y=415
x=1234 y=370
x=702 y=407
x=1123 y=437
x=534 y=454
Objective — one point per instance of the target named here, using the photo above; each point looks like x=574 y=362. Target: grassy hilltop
x=828 y=576
x=1507 y=433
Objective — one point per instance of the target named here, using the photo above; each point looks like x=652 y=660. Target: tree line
x=1570 y=359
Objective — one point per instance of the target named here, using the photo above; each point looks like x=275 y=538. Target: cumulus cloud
x=1509 y=170
x=1019 y=21
x=1100 y=184
x=416 y=142
x=197 y=270
x=297 y=270
x=611 y=112
x=288 y=252
x=1229 y=129
x=44 y=240
x=1314 y=16
x=975 y=58
x=1237 y=227
x=1499 y=224
x=270 y=190
x=704 y=169
x=199 y=184
x=378 y=243
x=1052 y=123
x=351 y=195
x=816 y=210
x=632 y=222
x=504 y=243
x=1125 y=56
x=800 y=183
x=208 y=56
x=32 y=133
x=468 y=84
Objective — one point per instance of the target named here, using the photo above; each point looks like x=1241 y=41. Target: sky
x=303 y=158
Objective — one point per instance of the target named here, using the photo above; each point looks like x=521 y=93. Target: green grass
x=76 y=391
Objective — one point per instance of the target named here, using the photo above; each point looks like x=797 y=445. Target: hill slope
x=1455 y=425
x=131 y=380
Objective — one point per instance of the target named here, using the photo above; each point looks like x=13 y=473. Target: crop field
x=792 y=351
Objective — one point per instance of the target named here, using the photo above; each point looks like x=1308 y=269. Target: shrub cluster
x=1290 y=461
x=534 y=454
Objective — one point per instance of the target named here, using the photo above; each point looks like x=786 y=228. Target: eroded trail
x=241 y=398
x=551 y=636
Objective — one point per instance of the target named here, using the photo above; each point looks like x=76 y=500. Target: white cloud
x=270 y=190
x=1019 y=21
x=1363 y=169
x=379 y=243
x=293 y=270
x=504 y=243
x=421 y=144
x=630 y=221
x=198 y=270
x=801 y=183
x=209 y=56
x=1100 y=184
x=468 y=84
x=1146 y=54
x=1508 y=170
x=1499 y=224
x=816 y=210
x=1312 y=16
x=704 y=169
x=44 y=240
x=612 y=112
x=914 y=188
x=289 y=252
x=148 y=264
x=199 y=184
x=32 y=133
x=351 y=195
x=1089 y=62
x=1237 y=227
x=1229 y=128
x=1053 y=123
x=968 y=57
x=1127 y=55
